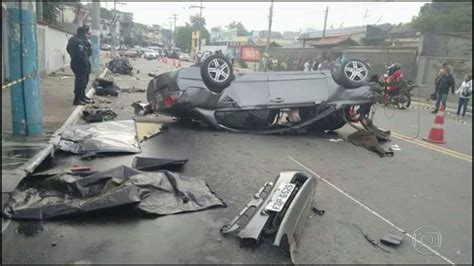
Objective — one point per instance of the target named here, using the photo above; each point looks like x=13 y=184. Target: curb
x=30 y=166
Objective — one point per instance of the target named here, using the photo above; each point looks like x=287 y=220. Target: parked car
x=106 y=47
x=256 y=102
x=132 y=53
x=150 y=54
x=184 y=57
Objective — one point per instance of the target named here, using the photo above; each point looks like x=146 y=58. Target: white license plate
x=280 y=197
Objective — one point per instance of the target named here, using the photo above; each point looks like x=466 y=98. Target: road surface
x=422 y=185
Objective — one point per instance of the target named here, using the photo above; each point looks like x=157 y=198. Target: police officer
x=80 y=49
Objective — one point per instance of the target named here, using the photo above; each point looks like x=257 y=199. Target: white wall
x=52 y=54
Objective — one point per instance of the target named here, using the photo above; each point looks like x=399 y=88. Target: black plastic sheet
x=158 y=193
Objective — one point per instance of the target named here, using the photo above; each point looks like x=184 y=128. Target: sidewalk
x=56 y=98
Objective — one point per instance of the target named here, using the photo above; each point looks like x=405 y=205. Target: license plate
x=280 y=197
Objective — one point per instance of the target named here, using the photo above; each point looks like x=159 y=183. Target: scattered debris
x=371 y=241
x=111 y=136
x=158 y=193
x=147 y=129
x=153 y=75
x=142 y=109
x=318 y=211
x=120 y=65
x=272 y=213
x=97 y=114
x=78 y=168
x=151 y=164
x=11 y=179
x=105 y=87
x=336 y=140
x=89 y=156
x=54 y=244
x=395 y=147
x=391 y=239
x=132 y=89
x=369 y=141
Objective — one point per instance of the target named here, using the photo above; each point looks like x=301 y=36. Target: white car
x=184 y=57
x=150 y=54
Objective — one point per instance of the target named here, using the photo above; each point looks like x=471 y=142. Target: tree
x=440 y=16
x=184 y=37
x=241 y=30
x=199 y=23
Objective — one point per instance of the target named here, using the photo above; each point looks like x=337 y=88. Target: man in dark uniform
x=80 y=49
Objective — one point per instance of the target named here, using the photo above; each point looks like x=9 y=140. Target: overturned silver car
x=276 y=212
x=266 y=103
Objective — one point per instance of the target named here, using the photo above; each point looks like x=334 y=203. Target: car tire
x=217 y=73
x=352 y=74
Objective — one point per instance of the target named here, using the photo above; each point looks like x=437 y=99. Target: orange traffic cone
x=174 y=62
x=165 y=60
x=437 y=132
x=179 y=64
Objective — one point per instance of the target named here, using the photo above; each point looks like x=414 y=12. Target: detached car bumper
x=278 y=211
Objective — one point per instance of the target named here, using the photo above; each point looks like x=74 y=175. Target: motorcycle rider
x=393 y=78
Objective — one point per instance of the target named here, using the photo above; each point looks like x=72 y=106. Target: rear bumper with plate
x=275 y=215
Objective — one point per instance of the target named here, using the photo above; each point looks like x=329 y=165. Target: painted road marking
x=433 y=147
x=373 y=212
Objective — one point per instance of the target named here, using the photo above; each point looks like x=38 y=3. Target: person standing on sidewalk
x=78 y=49
x=445 y=82
x=465 y=92
x=436 y=79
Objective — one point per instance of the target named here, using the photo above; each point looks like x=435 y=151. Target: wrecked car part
x=152 y=164
x=391 y=239
x=158 y=193
x=146 y=130
x=258 y=96
x=91 y=115
x=142 y=109
x=11 y=179
x=120 y=65
x=371 y=240
x=111 y=136
x=105 y=87
x=318 y=211
x=277 y=211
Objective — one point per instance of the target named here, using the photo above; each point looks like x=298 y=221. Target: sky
x=287 y=16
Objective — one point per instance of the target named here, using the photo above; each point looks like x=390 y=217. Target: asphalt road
x=422 y=185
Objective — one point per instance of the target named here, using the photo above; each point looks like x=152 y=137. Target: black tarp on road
x=155 y=193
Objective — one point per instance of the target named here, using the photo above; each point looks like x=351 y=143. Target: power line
x=173 y=18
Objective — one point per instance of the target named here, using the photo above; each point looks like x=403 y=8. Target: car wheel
x=217 y=73
x=404 y=101
x=352 y=74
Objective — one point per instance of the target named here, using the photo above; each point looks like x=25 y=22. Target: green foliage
x=439 y=17
x=241 y=30
x=184 y=37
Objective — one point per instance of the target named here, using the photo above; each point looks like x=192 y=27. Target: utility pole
x=325 y=21
x=23 y=62
x=269 y=32
x=95 y=36
x=200 y=16
x=112 y=28
x=174 y=17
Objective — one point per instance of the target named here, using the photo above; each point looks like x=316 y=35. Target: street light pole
x=112 y=30
x=267 y=45
x=200 y=16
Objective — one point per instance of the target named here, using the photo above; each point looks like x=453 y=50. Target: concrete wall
x=52 y=54
x=447 y=46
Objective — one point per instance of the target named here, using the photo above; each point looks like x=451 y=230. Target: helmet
x=393 y=67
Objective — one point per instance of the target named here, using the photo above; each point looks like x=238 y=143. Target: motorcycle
x=400 y=98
